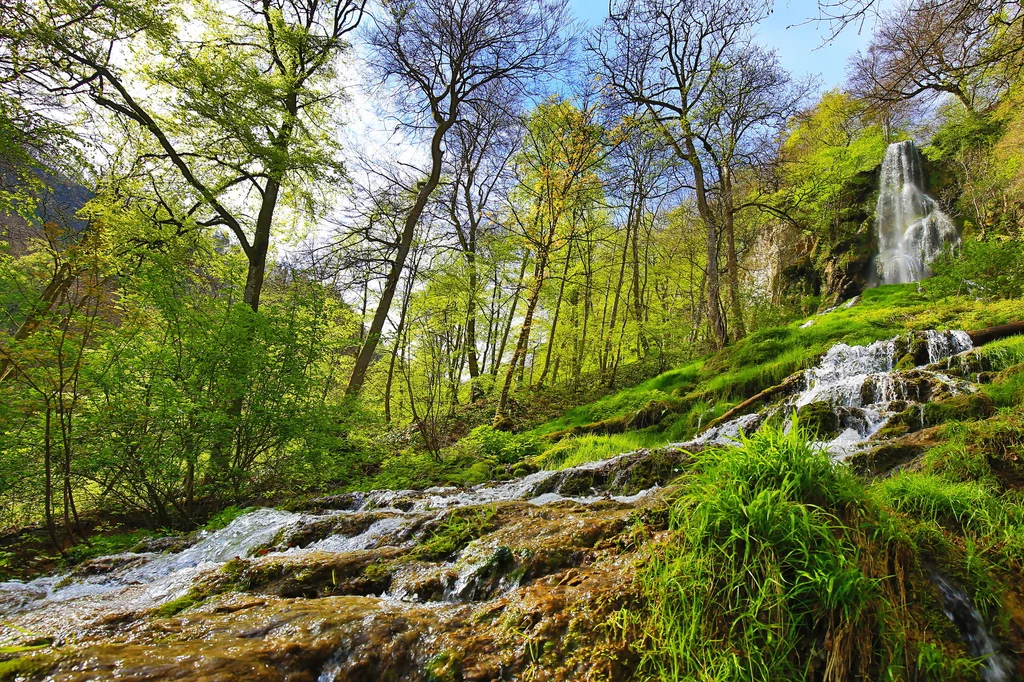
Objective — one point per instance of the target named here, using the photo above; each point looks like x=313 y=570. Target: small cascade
x=996 y=666
x=911 y=228
x=144 y=580
x=862 y=388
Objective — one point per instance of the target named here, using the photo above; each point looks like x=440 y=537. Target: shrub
x=992 y=269
x=506 y=448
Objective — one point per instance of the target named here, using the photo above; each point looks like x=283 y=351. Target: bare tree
x=663 y=56
x=749 y=101
x=481 y=147
x=935 y=47
x=445 y=57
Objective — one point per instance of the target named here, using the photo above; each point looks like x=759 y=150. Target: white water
x=959 y=608
x=861 y=385
x=911 y=228
x=145 y=580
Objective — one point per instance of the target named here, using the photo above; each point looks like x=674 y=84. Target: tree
x=749 y=101
x=235 y=106
x=663 y=57
x=480 y=150
x=557 y=185
x=445 y=57
x=969 y=50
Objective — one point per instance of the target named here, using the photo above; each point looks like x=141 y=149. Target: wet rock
x=969 y=406
x=307 y=532
x=343 y=502
x=170 y=543
x=310 y=574
x=106 y=564
x=885 y=458
x=552 y=625
x=820 y=418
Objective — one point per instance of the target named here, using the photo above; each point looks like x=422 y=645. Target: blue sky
x=797 y=40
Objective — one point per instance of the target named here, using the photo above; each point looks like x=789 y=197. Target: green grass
x=576 y=450
x=777 y=565
x=703 y=389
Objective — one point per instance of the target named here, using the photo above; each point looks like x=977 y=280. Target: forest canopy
x=210 y=297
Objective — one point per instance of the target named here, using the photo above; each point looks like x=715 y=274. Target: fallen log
x=790 y=383
x=980 y=337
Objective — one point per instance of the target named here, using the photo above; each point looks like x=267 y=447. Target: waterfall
x=912 y=230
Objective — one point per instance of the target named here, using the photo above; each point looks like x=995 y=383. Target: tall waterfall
x=912 y=230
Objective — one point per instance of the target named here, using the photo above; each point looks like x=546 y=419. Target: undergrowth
x=779 y=566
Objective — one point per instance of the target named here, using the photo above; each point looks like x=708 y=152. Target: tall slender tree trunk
x=426 y=188
x=707 y=216
x=519 y=354
x=554 y=320
x=399 y=331
x=732 y=265
x=618 y=288
x=496 y=361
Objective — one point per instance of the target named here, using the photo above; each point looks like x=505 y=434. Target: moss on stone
x=445 y=666
x=820 y=419
x=969 y=406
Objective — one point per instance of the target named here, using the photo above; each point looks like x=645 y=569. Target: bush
x=991 y=269
x=506 y=448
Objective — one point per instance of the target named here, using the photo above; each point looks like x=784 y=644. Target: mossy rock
x=888 y=456
x=906 y=362
x=820 y=419
x=444 y=667
x=965 y=407
x=646 y=469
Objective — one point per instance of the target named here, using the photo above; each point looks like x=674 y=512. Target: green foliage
x=992 y=269
x=102 y=545
x=770 y=553
x=967 y=504
x=828 y=149
x=502 y=446
x=225 y=516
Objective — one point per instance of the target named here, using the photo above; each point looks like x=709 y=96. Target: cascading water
x=912 y=230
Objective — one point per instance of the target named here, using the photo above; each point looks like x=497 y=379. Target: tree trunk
x=519 y=354
x=738 y=328
x=394 y=351
x=412 y=219
x=706 y=214
x=496 y=360
x=554 y=320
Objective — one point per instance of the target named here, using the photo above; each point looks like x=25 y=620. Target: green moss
x=966 y=407
x=444 y=667
x=103 y=545
x=27 y=666
x=458 y=529
x=820 y=420
x=174 y=607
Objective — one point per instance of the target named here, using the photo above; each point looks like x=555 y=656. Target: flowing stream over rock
x=911 y=228
x=861 y=388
